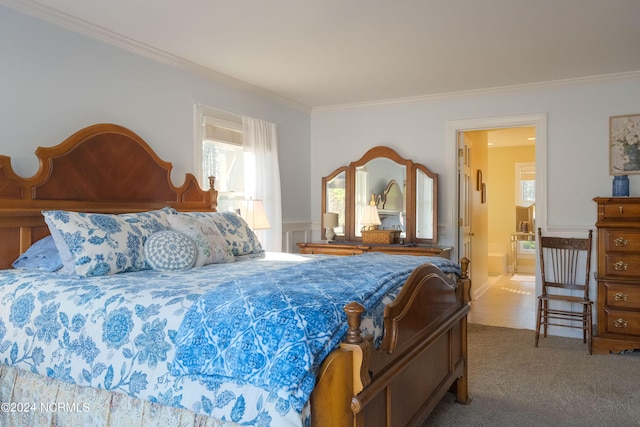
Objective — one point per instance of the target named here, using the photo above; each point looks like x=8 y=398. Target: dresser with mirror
x=405 y=197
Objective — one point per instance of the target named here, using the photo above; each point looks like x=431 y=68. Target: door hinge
x=460 y=222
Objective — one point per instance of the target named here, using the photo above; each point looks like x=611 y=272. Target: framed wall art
x=624 y=144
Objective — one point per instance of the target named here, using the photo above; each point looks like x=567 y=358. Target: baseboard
x=480 y=290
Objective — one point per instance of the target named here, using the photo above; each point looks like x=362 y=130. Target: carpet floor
x=558 y=384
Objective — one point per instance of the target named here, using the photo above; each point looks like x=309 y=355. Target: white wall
x=54 y=82
x=577 y=140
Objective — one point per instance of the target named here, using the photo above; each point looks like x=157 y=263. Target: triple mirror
x=404 y=193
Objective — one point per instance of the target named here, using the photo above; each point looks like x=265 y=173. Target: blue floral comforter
x=240 y=342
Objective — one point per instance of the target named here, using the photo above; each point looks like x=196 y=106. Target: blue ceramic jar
x=620 y=186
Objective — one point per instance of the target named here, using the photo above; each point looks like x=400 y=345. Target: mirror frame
x=325 y=181
x=410 y=194
x=434 y=177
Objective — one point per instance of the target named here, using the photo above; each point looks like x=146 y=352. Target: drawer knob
x=620 y=296
x=620 y=266
x=620 y=323
x=620 y=210
x=620 y=242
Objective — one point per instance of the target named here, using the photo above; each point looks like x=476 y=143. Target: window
x=242 y=154
x=362 y=196
x=525 y=184
x=222 y=156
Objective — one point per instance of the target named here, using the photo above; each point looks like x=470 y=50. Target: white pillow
x=235 y=230
x=212 y=247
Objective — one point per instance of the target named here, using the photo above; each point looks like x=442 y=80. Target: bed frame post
x=214 y=193
x=25 y=238
x=461 y=386
x=360 y=347
x=464 y=284
x=332 y=400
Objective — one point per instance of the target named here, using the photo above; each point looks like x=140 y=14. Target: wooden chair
x=562 y=261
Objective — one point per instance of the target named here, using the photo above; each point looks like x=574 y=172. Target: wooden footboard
x=423 y=355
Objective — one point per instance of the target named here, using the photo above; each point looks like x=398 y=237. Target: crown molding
x=44 y=13
x=630 y=75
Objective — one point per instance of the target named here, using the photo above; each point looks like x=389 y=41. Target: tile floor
x=509 y=303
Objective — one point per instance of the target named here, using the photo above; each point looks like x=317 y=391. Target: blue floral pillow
x=92 y=244
x=240 y=238
x=169 y=250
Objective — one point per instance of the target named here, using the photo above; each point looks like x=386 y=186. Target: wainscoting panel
x=295 y=232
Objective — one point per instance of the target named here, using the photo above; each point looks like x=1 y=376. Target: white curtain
x=262 y=176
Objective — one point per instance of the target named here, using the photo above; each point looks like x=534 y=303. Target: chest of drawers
x=618 y=274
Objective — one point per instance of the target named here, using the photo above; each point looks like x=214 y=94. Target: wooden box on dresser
x=618 y=274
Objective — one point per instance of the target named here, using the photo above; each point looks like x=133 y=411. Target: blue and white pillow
x=92 y=244
x=43 y=255
x=169 y=250
x=212 y=247
x=240 y=238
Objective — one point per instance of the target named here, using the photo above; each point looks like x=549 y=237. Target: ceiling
x=511 y=137
x=335 y=52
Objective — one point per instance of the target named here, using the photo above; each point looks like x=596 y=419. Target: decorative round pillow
x=168 y=250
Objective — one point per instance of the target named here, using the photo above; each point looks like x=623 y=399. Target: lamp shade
x=256 y=216
x=330 y=219
x=370 y=216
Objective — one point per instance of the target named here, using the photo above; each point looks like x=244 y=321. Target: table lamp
x=256 y=217
x=330 y=221
x=370 y=219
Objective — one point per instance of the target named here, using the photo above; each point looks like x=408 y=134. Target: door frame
x=454 y=127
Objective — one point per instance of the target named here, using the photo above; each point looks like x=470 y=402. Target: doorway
x=487 y=182
x=503 y=224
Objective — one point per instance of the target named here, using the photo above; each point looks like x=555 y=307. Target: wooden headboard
x=102 y=168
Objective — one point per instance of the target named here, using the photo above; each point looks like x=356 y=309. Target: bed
x=159 y=346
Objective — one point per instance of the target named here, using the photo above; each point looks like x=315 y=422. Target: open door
x=465 y=189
